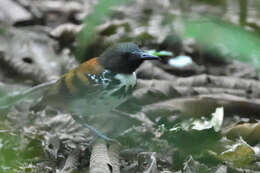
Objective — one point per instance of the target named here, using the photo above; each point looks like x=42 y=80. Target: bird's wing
x=86 y=79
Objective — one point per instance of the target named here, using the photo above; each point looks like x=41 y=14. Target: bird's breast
x=125 y=82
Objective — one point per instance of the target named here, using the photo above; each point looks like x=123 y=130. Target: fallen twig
x=99 y=159
x=113 y=153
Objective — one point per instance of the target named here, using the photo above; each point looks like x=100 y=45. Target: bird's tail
x=11 y=99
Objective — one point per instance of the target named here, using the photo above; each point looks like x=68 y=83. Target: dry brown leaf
x=171 y=89
x=220 y=82
x=149 y=71
x=250 y=132
x=203 y=105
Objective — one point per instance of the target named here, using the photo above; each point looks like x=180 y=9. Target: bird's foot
x=97 y=133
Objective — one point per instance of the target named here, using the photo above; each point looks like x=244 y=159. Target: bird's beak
x=147 y=56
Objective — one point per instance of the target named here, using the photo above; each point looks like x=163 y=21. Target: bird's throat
x=127 y=80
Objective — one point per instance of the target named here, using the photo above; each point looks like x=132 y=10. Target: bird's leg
x=96 y=132
x=79 y=118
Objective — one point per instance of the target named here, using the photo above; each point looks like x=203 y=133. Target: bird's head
x=124 y=58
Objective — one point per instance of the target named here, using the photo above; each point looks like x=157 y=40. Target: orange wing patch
x=80 y=74
x=68 y=80
x=91 y=66
x=76 y=78
x=82 y=78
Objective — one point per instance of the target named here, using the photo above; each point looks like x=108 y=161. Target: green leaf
x=240 y=155
x=101 y=11
x=240 y=43
x=215 y=122
x=203 y=124
x=160 y=53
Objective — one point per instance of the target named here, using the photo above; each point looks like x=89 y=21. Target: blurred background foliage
x=234 y=41
x=225 y=26
x=97 y=16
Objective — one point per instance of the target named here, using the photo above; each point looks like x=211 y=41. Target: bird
x=97 y=86
x=93 y=88
x=97 y=80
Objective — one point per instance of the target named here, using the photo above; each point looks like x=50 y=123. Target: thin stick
x=12 y=99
